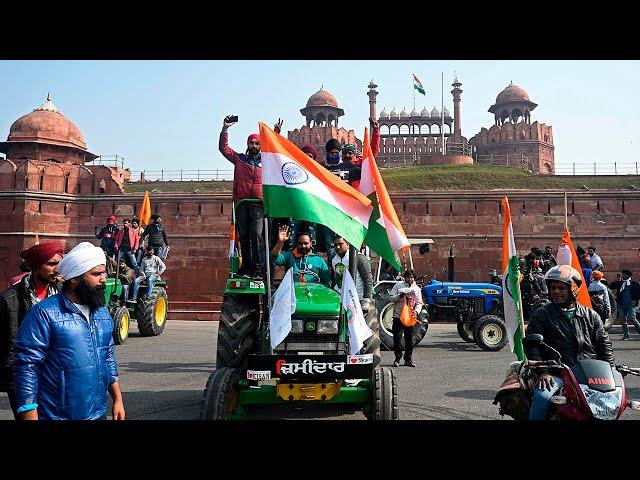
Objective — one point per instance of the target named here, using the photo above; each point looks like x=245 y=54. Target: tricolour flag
x=511 y=285
x=574 y=261
x=293 y=185
x=358 y=328
x=145 y=210
x=284 y=304
x=385 y=234
x=417 y=84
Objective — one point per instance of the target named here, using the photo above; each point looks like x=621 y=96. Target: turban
x=40 y=254
x=350 y=147
x=309 y=150
x=111 y=218
x=597 y=275
x=82 y=258
x=253 y=137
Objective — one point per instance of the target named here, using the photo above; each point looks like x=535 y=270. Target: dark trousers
x=12 y=401
x=130 y=260
x=250 y=225
x=398 y=329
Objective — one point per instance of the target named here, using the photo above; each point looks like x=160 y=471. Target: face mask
x=253 y=151
x=333 y=158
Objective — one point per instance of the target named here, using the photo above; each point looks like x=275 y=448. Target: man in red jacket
x=127 y=244
x=247 y=183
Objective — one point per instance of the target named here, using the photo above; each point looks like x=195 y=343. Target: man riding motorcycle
x=575 y=331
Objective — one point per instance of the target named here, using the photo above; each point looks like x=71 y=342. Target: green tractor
x=312 y=364
x=150 y=313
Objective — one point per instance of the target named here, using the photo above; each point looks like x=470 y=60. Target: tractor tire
x=384 y=395
x=372 y=344
x=608 y=323
x=237 y=330
x=121 y=320
x=151 y=313
x=386 y=325
x=490 y=333
x=220 y=396
x=465 y=332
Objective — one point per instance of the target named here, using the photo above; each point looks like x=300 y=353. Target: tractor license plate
x=313 y=367
x=258 y=375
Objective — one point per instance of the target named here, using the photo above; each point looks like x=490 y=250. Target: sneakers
x=409 y=363
x=396 y=363
x=626 y=337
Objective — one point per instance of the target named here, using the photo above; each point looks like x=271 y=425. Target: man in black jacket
x=572 y=329
x=157 y=236
x=16 y=301
x=627 y=295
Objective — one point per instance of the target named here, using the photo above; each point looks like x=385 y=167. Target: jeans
x=129 y=260
x=136 y=285
x=139 y=255
x=250 y=225
x=125 y=292
x=398 y=329
x=542 y=399
x=625 y=312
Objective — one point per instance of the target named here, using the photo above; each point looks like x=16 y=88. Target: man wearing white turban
x=64 y=352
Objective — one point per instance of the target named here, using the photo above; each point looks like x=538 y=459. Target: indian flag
x=294 y=185
x=511 y=285
x=385 y=234
x=567 y=250
x=417 y=84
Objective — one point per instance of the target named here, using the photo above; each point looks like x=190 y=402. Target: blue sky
x=168 y=114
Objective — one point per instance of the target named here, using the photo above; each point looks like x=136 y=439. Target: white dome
x=394 y=113
x=404 y=112
x=446 y=112
x=425 y=112
x=384 y=113
x=435 y=113
x=414 y=113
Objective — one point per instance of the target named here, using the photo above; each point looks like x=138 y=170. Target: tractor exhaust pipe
x=452 y=265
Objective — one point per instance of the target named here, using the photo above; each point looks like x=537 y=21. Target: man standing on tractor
x=107 y=236
x=151 y=269
x=308 y=266
x=127 y=244
x=576 y=331
x=157 y=235
x=363 y=279
x=18 y=299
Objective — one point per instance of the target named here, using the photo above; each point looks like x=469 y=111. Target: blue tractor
x=475 y=307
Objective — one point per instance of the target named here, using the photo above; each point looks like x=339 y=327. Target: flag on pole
x=284 y=304
x=574 y=261
x=232 y=240
x=385 y=234
x=145 y=210
x=293 y=185
x=511 y=285
x=417 y=84
x=358 y=329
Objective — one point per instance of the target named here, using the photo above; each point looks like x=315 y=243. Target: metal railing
x=598 y=168
x=109 y=161
x=216 y=175
x=515 y=160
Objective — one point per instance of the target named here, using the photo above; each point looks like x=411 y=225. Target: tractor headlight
x=327 y=326
x=296 y=326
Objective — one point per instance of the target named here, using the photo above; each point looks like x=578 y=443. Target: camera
x=231 y=118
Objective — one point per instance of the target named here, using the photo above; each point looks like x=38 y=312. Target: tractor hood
x=314 y=299
x=452 y=289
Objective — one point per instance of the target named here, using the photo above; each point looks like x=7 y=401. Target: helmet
x=565 y=274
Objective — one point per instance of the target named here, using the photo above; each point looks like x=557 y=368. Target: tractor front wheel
x=490 y=333
x=220 y=397
x=121 y=319
x=384 y=396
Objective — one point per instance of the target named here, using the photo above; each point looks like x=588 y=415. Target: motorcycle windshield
x=603 y=405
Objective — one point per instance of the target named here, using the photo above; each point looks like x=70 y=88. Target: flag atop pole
x=385 y=234
x=294 y=185
x=417 y=85
x=566 y=250
x=145 y=210
x=511 y=285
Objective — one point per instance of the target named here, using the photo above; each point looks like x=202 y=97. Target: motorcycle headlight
x=327 y=326
x=296 y=326
x=603 y=405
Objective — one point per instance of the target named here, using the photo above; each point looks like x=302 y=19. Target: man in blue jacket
x=64 y=352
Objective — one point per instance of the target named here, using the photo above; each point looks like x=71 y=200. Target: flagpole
x=566 y=213
x=414 y=91
x=442 y=114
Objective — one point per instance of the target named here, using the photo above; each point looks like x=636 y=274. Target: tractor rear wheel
x=151 y=313
x=384 y=395
x=386 y=326
x=220 y=396
x=121 y=319
x=490 y=333
x=466 y=332
x=237 y=330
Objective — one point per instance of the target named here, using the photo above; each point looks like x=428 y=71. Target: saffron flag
x=385 y=234
x=583 y=293
x=358 y=329
x=145 y=210
x=294 y=185
x=284 y=304
x=511 y=285
x=417 y=84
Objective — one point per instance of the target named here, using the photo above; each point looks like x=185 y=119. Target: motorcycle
x=592 y=388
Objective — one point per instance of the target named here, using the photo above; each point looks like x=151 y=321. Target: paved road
x=163 y=377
